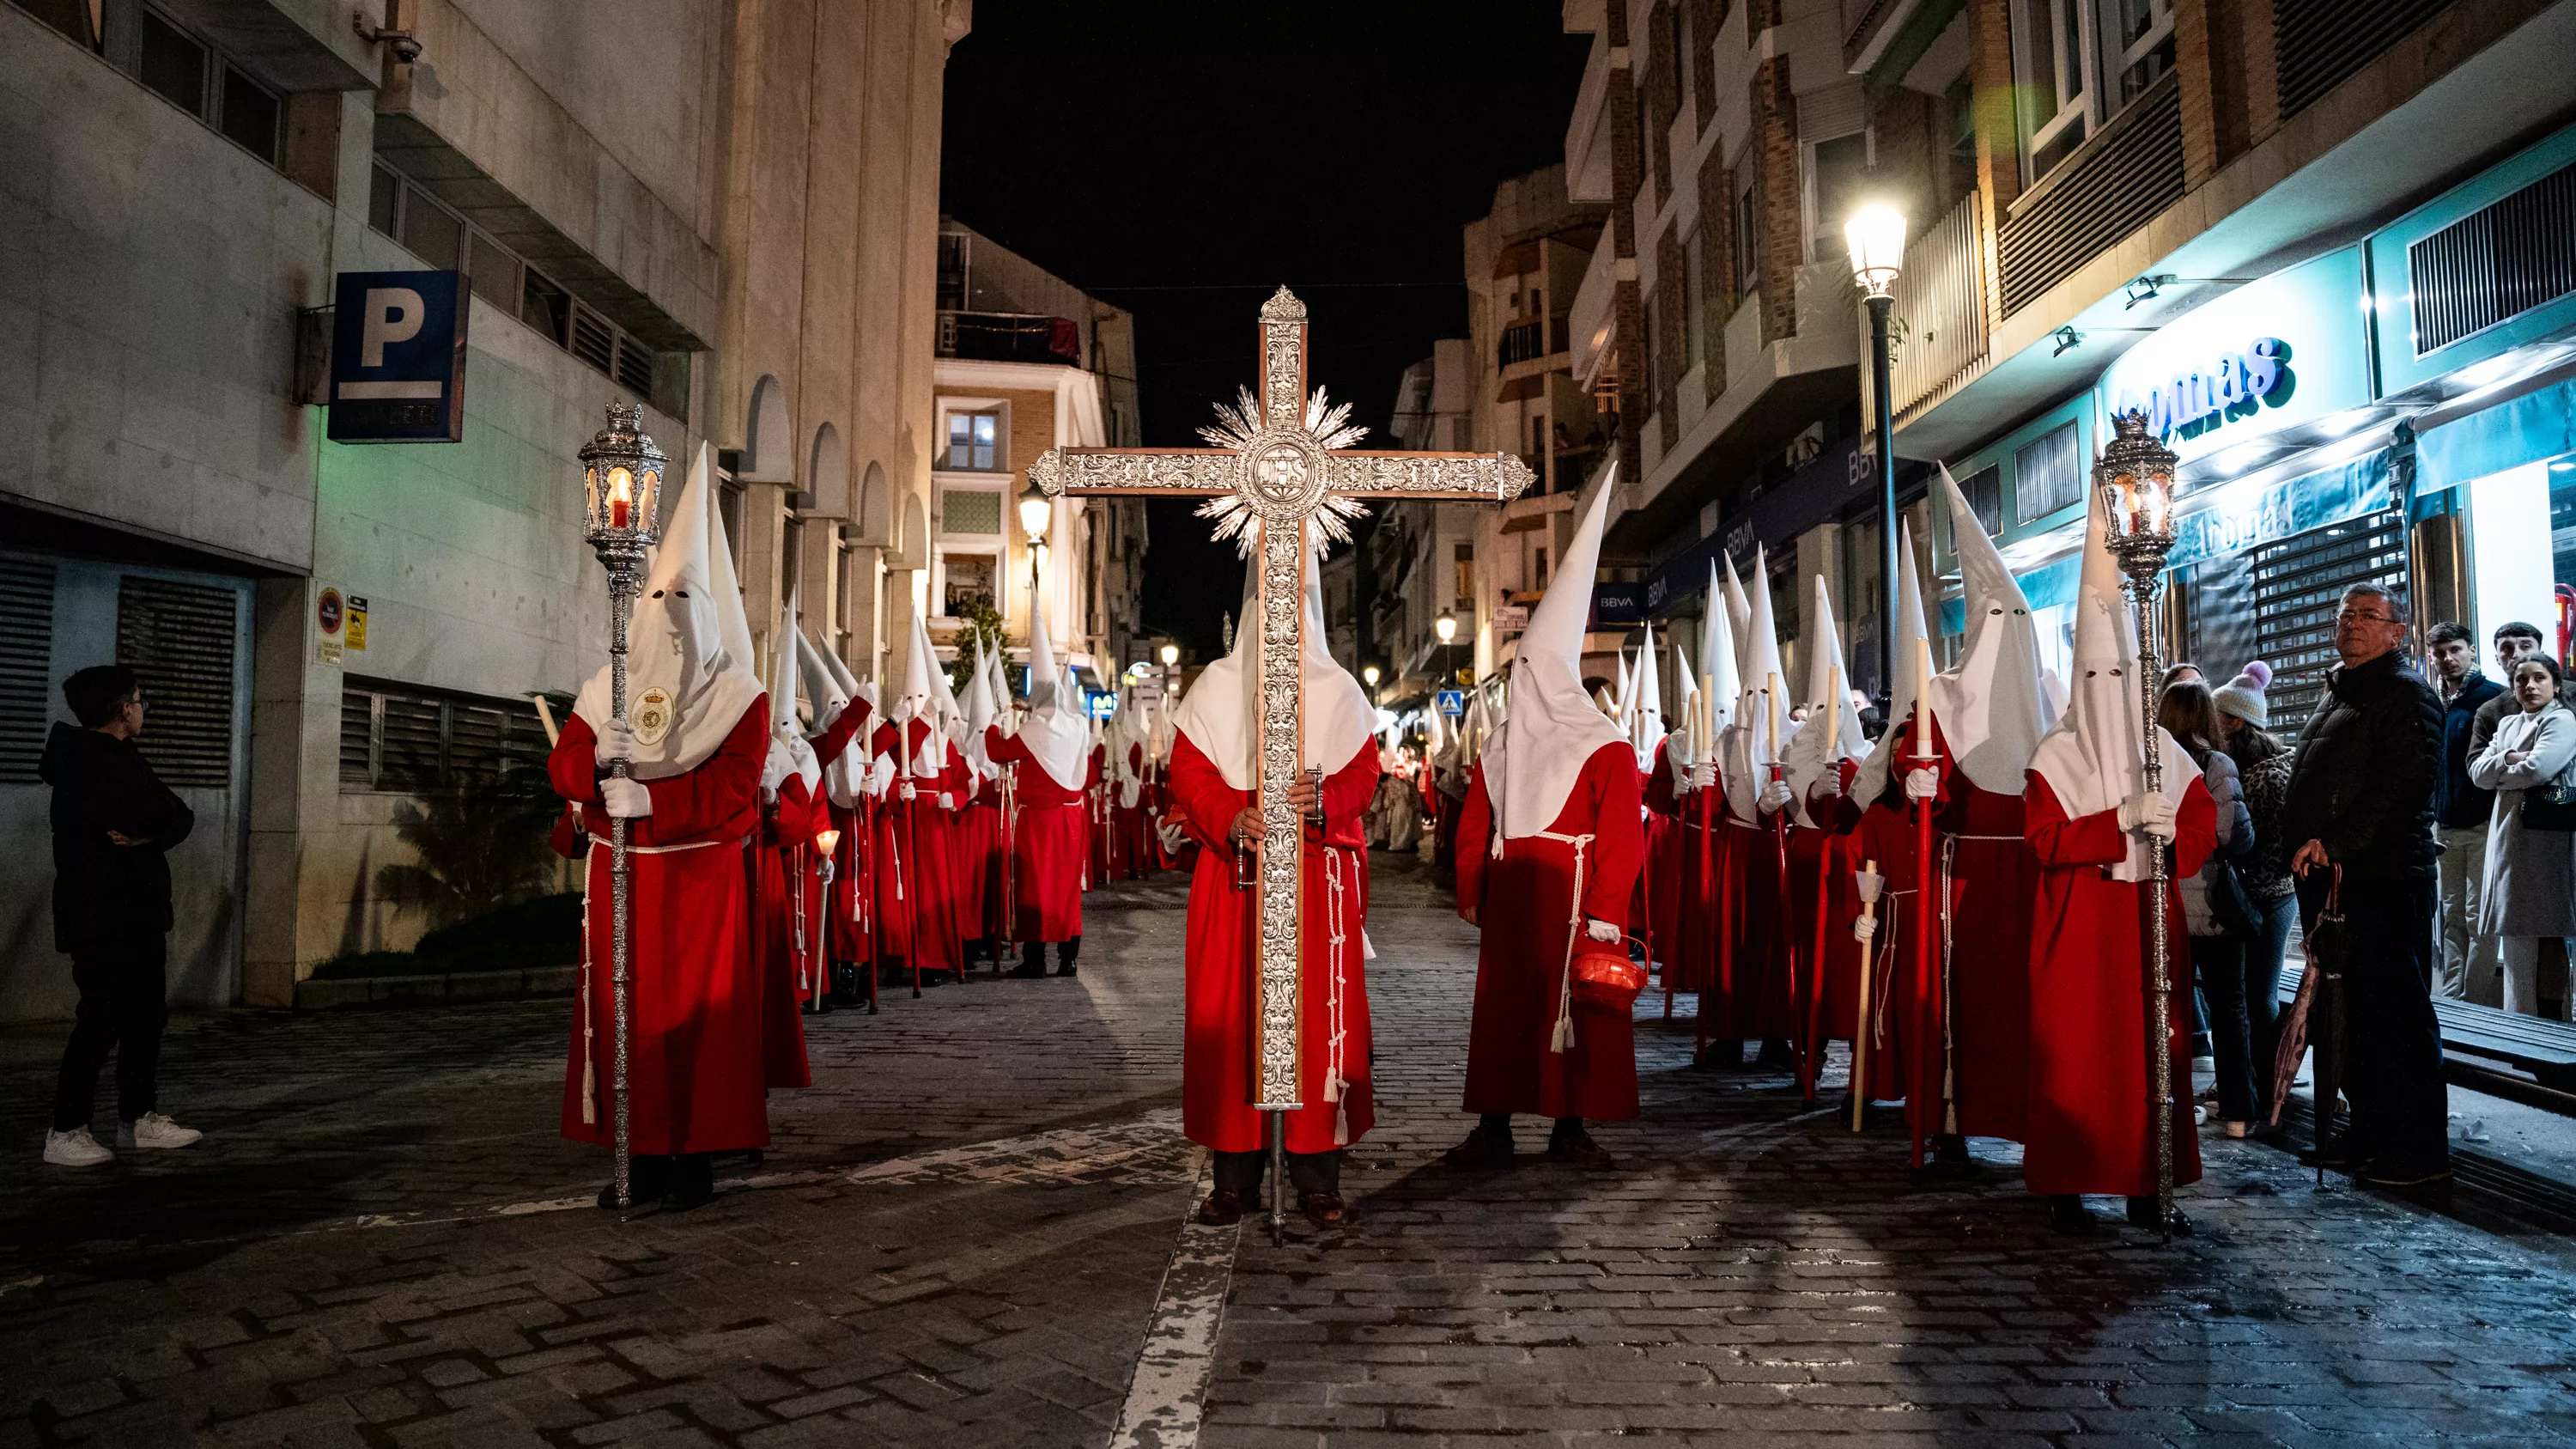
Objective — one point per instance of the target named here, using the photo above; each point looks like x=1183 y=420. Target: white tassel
x=1564 y=1039
x=1368 y=948
x=1342 y=1125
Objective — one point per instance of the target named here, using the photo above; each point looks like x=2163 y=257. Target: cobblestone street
x=964 y=1231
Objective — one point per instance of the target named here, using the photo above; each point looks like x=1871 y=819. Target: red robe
x=1525 y=906
x=1822 y=904
x=1220 y=994
x=1993 y=893
x=1047 y=844
x=786 y=973
x=1754 y=994
x=1687 y=918
x=916 y=835
x=1880 y=832
x=1912 y=1023
x=847 y=910
x=694 y=1079
x=2091 y=1126
x=987 y=855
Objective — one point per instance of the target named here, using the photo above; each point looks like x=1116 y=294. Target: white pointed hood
x=821 y=678
x=1533 y=759
x=1739 y=610
x=1054 y=729
x=1647 y=714
x=1761 y=725
x=1871 y=782
x=1218 y=714
x=920 y=700
x=951 y=714
x=685 y=691
x=2094 y=759
x=1718 y=657
x=1831 y=733
x=1991 y=706
x=787 y=735
x=730 y=618
x=979 y=713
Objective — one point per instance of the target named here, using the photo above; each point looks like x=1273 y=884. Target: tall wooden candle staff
x=621 y=479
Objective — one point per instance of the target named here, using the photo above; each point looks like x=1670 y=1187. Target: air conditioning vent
x=2495 y=264
x=2117 y=183
x=179 y=640
x=2321 y=43
x=26 y=665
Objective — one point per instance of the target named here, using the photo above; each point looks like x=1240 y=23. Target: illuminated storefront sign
x=2285 y=350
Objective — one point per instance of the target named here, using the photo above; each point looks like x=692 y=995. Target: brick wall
x=1663 y=95
x=1717 y=265
x=1628 y=326
x=1777 y=205
x=1670 y=324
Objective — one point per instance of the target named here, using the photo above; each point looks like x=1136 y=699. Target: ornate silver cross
x=1281 y=466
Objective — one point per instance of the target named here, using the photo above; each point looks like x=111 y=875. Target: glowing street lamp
x=1446 y=626
x=1171 y=655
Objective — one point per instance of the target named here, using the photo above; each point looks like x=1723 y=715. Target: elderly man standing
x=2361 y=804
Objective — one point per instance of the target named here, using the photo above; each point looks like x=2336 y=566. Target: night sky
x=1182 y=160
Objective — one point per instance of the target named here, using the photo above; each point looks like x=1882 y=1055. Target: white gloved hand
x=908 y=791
x=1831 y=784
x=2148 y=814
x=1601 y=930
x=947 y=801
x=1703 y=776
x=626 y=799
x=1864 y=928
x=1775 y=797
x=616 y=742
x=1923 y=783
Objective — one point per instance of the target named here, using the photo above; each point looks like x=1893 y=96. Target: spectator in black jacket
x=2468 y=960
x=114 y=824
x=2361 y=804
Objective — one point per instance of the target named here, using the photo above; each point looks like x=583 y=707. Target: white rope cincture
x=1335 y=1085
x=1562 y=1038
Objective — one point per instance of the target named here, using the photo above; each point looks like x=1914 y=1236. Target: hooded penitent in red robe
x=1882 y=832
x=694 y=1060
x=848 y=911
x=786 y=974
x=915 y=833
x=1526 y=906
x=2091 y=1125
x=1048 y=844
x=1221 y=995
x=1822 y=904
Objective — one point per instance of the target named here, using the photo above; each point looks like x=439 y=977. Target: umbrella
x=2318 y=1014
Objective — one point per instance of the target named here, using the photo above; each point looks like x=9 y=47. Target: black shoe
x=2066 y=1215
x=1484 y=1149
x=1027 y=970
x=2142 y=1214
x=647 y=1180
x=2343 y=1154
x=693 y=1183
x=1064 y=968
x=2384 y=1173
x=1577 y=1147
x=1223 y=1209
x=1777 y=1056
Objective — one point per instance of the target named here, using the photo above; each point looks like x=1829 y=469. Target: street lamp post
x=1876 y=236
x=1035 y=510
x=2134 y=484
x=1445 y=628
x=621 y=484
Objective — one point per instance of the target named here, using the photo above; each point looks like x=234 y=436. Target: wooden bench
x=2545 y=1049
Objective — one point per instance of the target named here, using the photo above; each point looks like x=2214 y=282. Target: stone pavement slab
x=964 y=1230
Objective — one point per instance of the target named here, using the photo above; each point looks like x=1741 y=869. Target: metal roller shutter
x=179 y=639
x=2298 y=582
x=26 y=664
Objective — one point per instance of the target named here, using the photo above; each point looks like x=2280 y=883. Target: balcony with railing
x=1010 y=337
x=1943 y=305
x=1532 y=341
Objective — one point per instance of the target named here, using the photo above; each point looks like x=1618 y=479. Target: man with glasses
x=114 y=823
x=2361 y=805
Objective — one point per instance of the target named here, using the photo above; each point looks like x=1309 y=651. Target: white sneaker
x=75 y=1148
x=154 y=1130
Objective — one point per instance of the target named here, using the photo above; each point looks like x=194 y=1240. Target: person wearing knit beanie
x=2243 y=695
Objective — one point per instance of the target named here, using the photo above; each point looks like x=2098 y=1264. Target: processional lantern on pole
x=1279 y=466
x=621 y=482
x=2134 y=483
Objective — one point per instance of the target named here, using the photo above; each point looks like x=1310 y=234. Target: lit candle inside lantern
x=827 y=841
x=621 y=497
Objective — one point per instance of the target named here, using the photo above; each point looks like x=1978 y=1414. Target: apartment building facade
x=724 y=213
x=1028 y=362
x=2321 y=247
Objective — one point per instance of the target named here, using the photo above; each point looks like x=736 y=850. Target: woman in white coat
x=2530 y=890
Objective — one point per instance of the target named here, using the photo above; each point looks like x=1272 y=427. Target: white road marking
x=1168 y=1393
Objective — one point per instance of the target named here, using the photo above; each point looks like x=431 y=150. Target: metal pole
x=2143 y=588
x=622 y=585
x=1879 y=309
x=1278 y=1178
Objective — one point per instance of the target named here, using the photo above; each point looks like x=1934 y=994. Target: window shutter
x=26 y=664
x=178 y=638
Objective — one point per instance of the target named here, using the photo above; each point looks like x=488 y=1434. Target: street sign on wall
x=1453 y=702
x=398 y=358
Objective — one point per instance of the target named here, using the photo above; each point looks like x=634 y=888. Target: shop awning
x=2532 y=428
